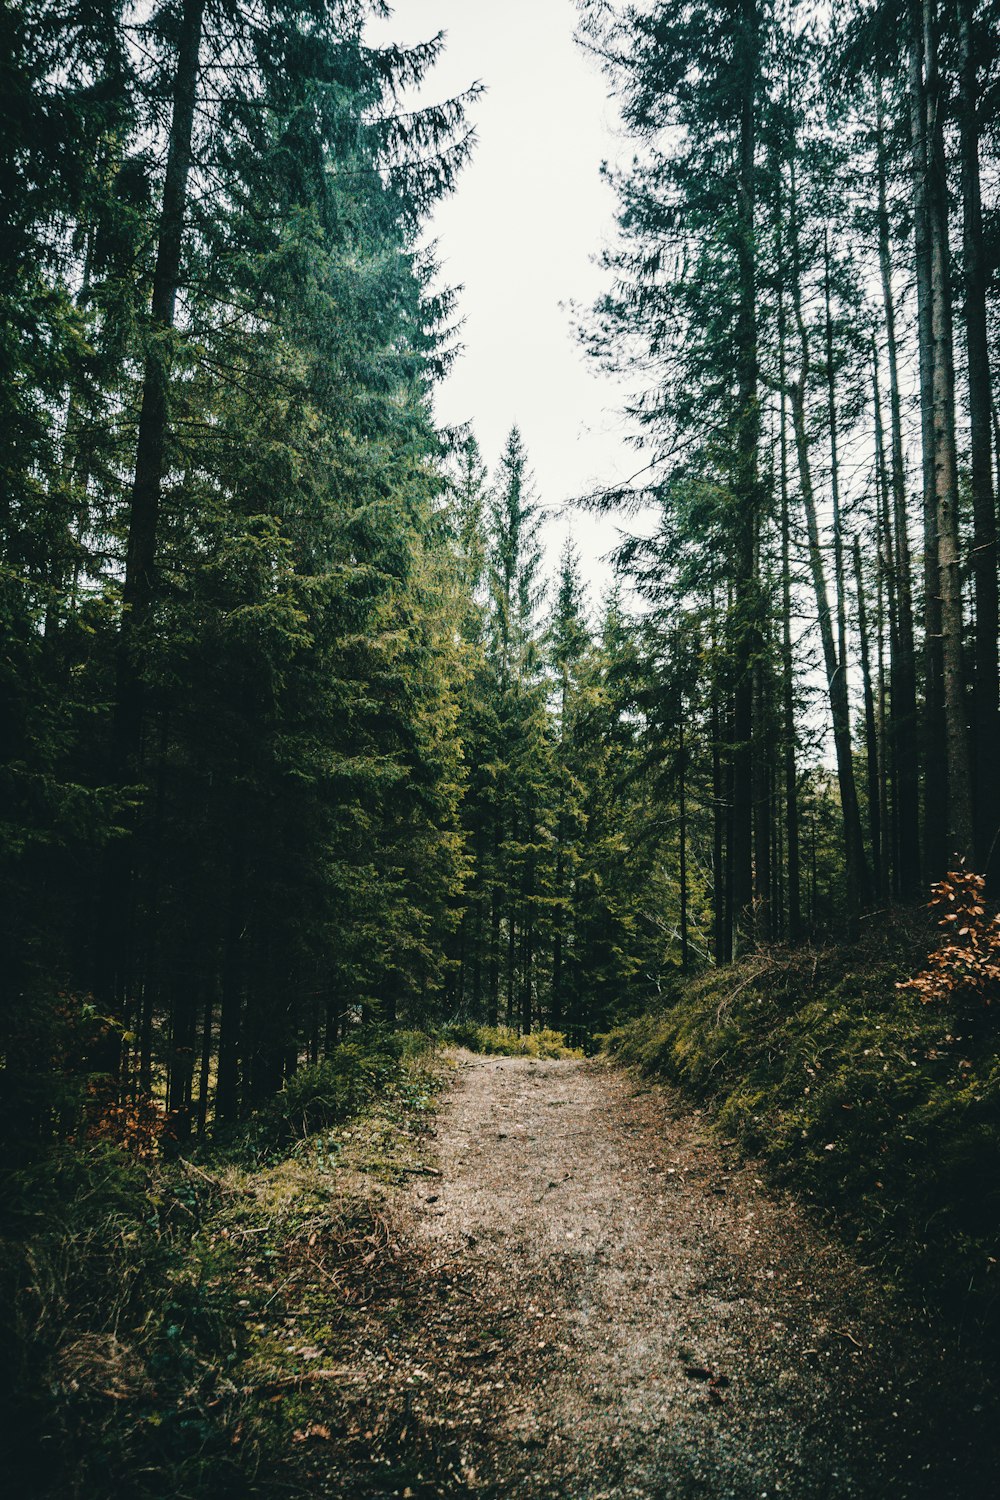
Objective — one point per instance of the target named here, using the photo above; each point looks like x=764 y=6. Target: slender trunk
x=793 y=924
x=984 y=539
x=682 y=834
x=831 y=399
x=113 y=976
x=858 y=882
x=746 y=484
x=875 y=828
x=231 y=1006
x=934 y=753
x=945 y=463
x=527 y=946
x=889 y=841
x=205 y=1068
x=493 y=1013
x=857 y=876
x=889 y=755
x=555 y=1002
x=511 y=964
x=763 y=914
x=718 y=828
x=903 y=669
x=144 y=504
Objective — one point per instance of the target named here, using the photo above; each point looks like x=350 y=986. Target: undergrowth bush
x=124 y=1336
x=963 y=972
x=504 y=1041
x=118 y=1338
x=368 y=1065
x=855 y=1093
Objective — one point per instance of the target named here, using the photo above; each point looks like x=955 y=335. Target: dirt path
x=594 y=1303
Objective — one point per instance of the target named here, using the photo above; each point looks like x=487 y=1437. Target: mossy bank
x=879 y=1108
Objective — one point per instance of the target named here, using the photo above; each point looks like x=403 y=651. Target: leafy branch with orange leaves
x=964 y=971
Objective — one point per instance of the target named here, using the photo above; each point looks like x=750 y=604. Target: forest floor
x=594 y=1299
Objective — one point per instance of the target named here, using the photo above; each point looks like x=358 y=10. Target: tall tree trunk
x=231 y=1002
x=960 y=839
x=858 y=881
x=875 y=827
x=511 y=964
x=205 y=1064
x=555 y=998
x=721 y=950
x=682 y=835
x=935 y=839
x=113 y=972
x=527 y=946
x=790 y=776
x=889 y=875
x=761 y=767
x=984 y=539
x=493 y=1013
x=889 y=838
x=840 y=589
x=144 y=504
x=747 y=497
x=903 y=666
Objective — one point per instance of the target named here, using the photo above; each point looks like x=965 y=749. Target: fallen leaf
x=314 y=1431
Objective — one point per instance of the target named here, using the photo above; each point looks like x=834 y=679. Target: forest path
x=603 y=1305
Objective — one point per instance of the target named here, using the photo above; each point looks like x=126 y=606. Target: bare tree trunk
x=493 y=1014
x=511 y=964
x=840 y=588
x=144 y=506
x=875 y=827
x=113 y=976
x=858 y=881
x=790 y=775
x=903 y=666
x=889 y=839
x=984 y=540
x=231 y=1002
x=889 y=873
x=935 y=839
x=960 y=841
x=763 y=915
x=721 y=949
x=682 y=834
x=746 y=484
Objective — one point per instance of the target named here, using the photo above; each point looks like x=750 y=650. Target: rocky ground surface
x=582 y=1294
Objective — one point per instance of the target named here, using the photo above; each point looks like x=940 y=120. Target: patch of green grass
x=855 y=1094
x=504 y=1041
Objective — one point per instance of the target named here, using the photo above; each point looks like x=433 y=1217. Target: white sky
x=519 y=235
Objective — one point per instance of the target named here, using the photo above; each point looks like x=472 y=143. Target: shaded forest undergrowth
x=169 y=1321
x=174 y=1325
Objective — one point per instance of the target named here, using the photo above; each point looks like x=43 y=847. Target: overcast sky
x=519 y=235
